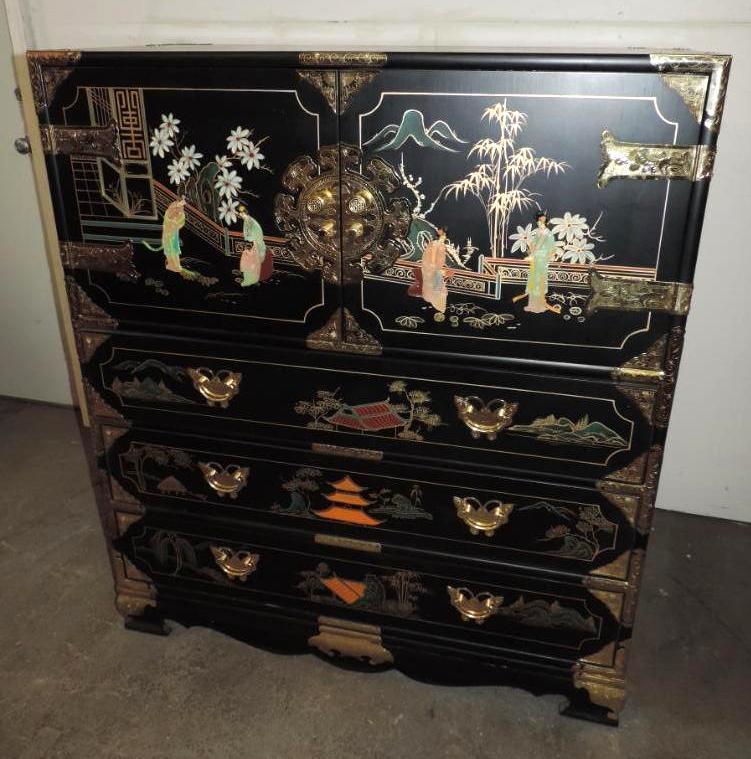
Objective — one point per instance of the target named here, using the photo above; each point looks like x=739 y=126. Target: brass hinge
x=115 y=258
x=608 y=291
x=336 y=541
x=83 y=141
x=345 y=452
x=637 y=160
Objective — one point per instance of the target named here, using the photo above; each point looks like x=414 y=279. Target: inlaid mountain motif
x=552 y=429
x=438 y=136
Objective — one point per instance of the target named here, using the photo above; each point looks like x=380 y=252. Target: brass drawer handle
x=218 y=388
x=482 y=517
x=475 y=608
x=229 y=480
x=485 y=418
x=237 y=565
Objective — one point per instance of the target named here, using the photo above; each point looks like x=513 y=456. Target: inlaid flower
x=178 y=171
x=569 y=226
x=238 y=140
x=160 y=143
x=579 y=251
x=228 y=211
x=523 y=238
x=228 y=183
x=169 y=125
x=222 y=161
x=251 y=156
x=191 y=157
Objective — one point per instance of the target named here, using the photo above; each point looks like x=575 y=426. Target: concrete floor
x=75 y=685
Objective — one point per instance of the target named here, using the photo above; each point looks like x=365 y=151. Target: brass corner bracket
x=342 y=638
x=48 y=69
x=605 y=686
x=715 y=66
x=347 y=337
x=114 y=258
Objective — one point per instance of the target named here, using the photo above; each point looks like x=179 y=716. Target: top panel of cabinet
x=511 y=207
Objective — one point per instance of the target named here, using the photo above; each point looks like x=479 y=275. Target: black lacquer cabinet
x=380 y=348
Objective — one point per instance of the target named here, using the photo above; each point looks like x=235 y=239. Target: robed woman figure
x=255 y=265
x=542 y=251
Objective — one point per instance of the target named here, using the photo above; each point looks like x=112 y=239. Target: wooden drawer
x=398 y=505
x=560 y=426
x=494 y=607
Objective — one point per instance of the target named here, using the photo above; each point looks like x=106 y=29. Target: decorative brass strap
x=237 y=565
x=636 y=160
x=115 y=258
x=229 y=480
x=365 y=454
x=612 y=292
x=339 y=637
x=342 y=59
x=83 y=141
x=337 y=541
x=471 y=607
x=218 y=388
x=485 y=418
x=483 y=518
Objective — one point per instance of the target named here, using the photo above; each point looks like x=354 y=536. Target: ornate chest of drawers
x=380 y=349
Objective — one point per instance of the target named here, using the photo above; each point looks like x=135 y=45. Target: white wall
x=707 y=468
x=32 y=363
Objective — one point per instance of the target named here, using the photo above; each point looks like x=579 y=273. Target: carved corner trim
x=644 y=398
x=604 y=686
x=48 y=69
x=340 y=638
x=666 y=391
x=632 y=473
x=691 y=88
x=98 y=406
x=348 y=337
x=84 y=312
x=713 y=65
x=88 y=343
x=645 y=367
x=324 y=82
x=351 y=83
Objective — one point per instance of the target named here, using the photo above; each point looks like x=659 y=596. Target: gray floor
x=75 y=684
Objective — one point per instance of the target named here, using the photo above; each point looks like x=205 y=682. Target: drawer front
x=562 y=426
x=552 y=617
x=399 y=506
x=173 y=227
x=481 y=153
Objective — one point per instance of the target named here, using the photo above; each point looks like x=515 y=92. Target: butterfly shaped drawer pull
x=229 y=480
x=485 y=418
x=482 y=517
x=218 y=388
x=471 y=607
x=237 y=565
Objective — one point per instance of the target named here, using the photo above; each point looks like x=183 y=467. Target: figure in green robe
x=542 y=251
x=173 y=222
x=253 y=256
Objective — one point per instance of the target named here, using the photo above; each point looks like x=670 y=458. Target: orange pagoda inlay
x=347 y=504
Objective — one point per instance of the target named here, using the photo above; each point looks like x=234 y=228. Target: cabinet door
x=179 y=185
x=478 y=155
